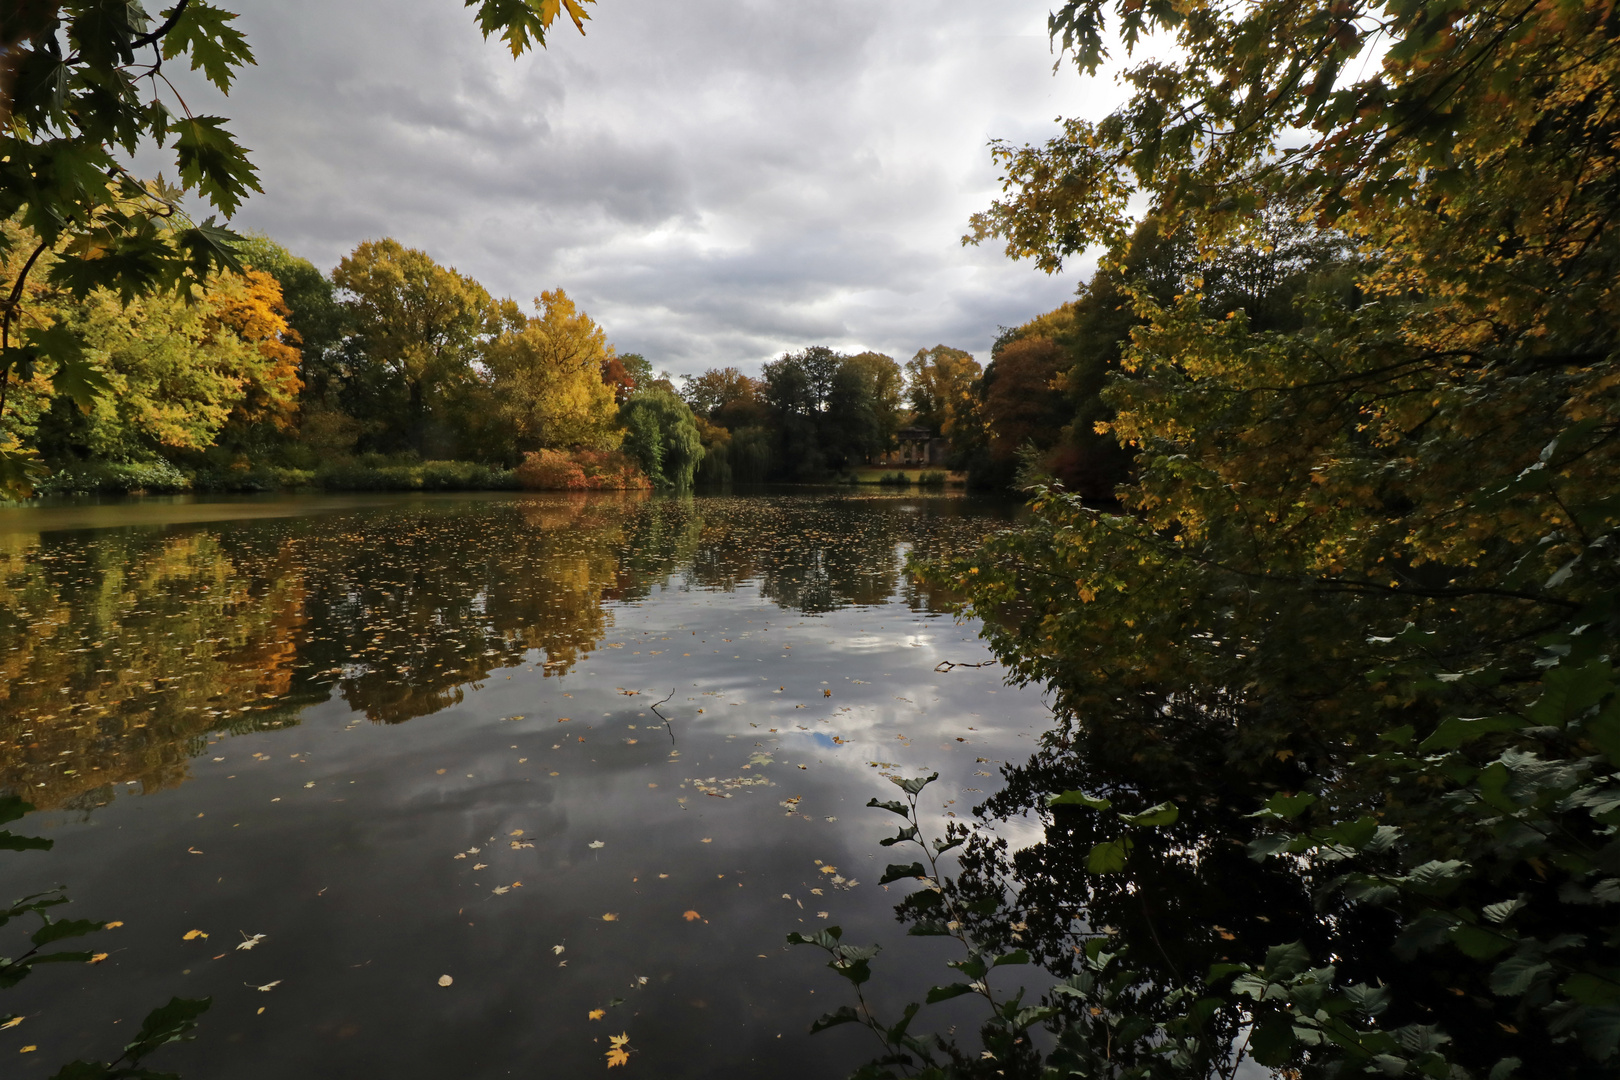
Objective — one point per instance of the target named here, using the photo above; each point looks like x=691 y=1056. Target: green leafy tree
x=661 y=433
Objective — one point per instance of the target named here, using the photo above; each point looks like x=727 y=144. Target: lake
x=389 y=739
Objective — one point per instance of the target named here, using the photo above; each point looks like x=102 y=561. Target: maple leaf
x=192 y=935
x=216 y=47
x=619 y=1054
x=691 y=916
x=501 y=890
x=249 y=942
x=596 y=1014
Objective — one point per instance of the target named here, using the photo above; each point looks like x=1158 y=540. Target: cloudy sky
x=716 y=181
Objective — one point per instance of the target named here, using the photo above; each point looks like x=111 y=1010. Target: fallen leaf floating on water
x=192 y=935
x=594 y=844
x=596 y=1014
x=269 y=986
x=690 y=916
x=310 y=784
x=445 y=980
x=479 y=865
x=558 y=949
x=459 y=855
x=11 y=1023
x=501 y=890
x=100 y=956
x=612 y=916
x=619 y=1054
x=249 y=942
x=115 y=924
x=515 y=832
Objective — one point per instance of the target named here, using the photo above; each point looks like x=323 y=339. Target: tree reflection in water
x=127 y=647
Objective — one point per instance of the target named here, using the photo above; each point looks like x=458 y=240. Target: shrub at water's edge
x=582 y=470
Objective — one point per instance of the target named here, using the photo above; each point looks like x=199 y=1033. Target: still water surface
x=409 y=737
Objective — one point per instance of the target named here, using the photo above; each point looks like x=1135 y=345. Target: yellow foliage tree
x=178 y=371
x=547 y=379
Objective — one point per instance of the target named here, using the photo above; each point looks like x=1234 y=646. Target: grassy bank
x=164 y=478
x=898 y=477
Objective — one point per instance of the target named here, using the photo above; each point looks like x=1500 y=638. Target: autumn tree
x=546 y=380
x=939 y=384
x=864 y=408
x=417 y=328
x=180 y=373
x=1337 y=722
x=79 y=97
x=726 y=396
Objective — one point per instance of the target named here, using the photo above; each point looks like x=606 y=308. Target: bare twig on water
x=664 y=718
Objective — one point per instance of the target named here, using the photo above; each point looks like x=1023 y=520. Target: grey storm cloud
x=716 y=182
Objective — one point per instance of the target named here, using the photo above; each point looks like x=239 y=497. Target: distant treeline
x=393 y=371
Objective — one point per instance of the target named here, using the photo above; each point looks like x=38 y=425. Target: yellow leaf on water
x=13 y=1022
x=596 y=1014
x=115 y=924
x=97 y=958
x=515 y=832
x=619 y=1054
x=445 y=980
x=27 y=1050
x=192 y=935
x=612 y=916
x=690 y=916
